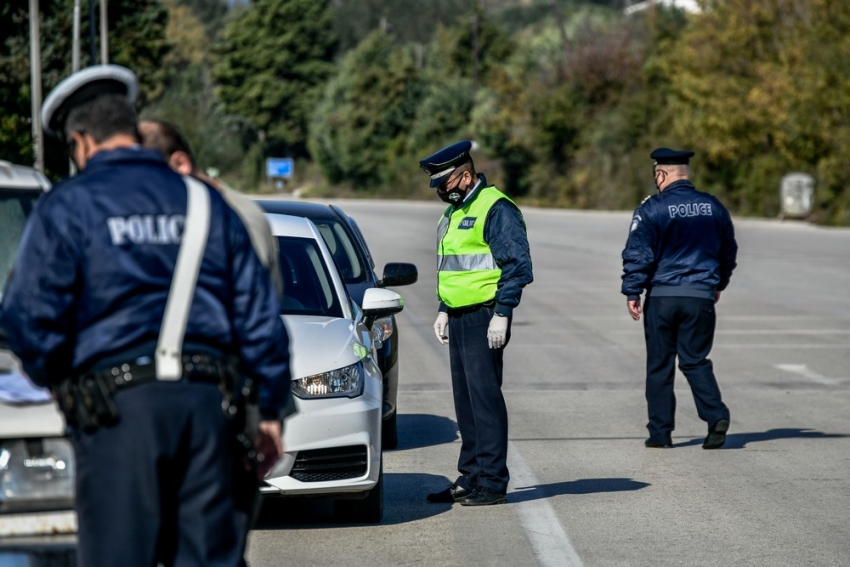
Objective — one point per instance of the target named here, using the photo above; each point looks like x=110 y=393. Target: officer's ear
x=180 y=162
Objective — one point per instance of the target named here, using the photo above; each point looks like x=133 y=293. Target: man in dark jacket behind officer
x=85 y=310
x=681 y=249
x=483 y=264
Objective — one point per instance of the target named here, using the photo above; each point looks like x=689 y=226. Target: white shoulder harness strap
x=169 y=347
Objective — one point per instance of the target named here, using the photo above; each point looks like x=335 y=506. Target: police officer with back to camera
x=483 y=264
x=138 y=299
x=681 y=249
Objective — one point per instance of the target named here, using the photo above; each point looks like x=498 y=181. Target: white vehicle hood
x=32 y=420
x=320 y=344
x=25 y=410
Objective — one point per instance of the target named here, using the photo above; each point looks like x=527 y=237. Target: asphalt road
x=584 y=490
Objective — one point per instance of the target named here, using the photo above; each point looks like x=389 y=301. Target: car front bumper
x=332 y=446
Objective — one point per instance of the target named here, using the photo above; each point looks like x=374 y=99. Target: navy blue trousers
x=157 y=486
x=682 y=326
x=482 y=416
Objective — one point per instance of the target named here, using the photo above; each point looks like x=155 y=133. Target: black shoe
x=649 y=443
x=450 y=495
x=716 y=435
x=483 y=496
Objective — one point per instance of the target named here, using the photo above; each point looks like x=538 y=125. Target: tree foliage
x=564 y=98
x=405 y=21
x=762 y=89
x=136 y=40
x=218 y=140
x=373 y=76
x=273 y=62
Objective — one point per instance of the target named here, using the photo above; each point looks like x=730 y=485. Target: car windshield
x=350 y=264
x=15 y=207
x=307 y=285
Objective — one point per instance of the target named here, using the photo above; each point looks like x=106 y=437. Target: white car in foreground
x=333 y=443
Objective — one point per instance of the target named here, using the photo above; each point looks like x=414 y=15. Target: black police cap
x=666 y=156
x=440 y=165
x=82 y=87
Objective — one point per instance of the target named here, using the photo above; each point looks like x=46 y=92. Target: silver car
x=333 y=443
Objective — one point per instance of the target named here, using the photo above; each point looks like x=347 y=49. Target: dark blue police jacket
x=95 y=266
x=681 y=243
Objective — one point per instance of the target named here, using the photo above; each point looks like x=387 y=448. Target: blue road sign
x=279 y=167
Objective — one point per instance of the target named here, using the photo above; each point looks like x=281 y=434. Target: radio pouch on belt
x=169 y=348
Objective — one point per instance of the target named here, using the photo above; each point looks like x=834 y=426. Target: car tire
x=367 y=510
x=389 y=432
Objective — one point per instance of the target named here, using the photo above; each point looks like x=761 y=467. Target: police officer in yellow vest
x=483 y=265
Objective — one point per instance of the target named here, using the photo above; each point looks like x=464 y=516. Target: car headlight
x=382 y=330
x=36 y=473
x=345 y=382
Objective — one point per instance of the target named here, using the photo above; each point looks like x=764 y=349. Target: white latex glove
x=497 y=332
x=441 y=328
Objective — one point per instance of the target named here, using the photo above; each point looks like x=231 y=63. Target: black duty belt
x=196 y=368
x=87 y=400
x=471 y=308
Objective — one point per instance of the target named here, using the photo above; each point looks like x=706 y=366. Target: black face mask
x=663 y=177
x=453 y=196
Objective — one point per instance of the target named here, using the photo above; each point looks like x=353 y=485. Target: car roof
x=289 y=225
x=19 y=177
x=316 y=211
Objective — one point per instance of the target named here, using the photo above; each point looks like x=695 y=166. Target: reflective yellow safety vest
x=467 y=273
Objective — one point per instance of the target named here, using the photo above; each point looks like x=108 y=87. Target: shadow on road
x=404 y=501
x=740 y=440
x=583 y=486
x=417 y=430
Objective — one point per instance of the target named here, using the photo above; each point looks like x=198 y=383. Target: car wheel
x=367 y=510
x=389 y=432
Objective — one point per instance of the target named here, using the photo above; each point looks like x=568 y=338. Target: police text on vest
x=146 y=229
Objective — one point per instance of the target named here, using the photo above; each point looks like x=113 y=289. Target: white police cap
x=83 y=86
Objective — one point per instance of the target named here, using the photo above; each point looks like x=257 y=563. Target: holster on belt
x=87 y=401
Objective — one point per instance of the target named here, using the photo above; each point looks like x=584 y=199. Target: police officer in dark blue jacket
x=681 y=249
x=483 y=265
x=84 y=312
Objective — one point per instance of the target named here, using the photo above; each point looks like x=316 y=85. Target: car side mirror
x=379 y=302
x=399 y=273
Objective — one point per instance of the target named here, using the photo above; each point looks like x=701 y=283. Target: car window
x=307 y=285
x=359 y=234
x=15 y=207
x=344 y=251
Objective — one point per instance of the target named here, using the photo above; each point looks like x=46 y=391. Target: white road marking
x=784 y=332
x=780 y=346
x=552 y=547
x=804 y=371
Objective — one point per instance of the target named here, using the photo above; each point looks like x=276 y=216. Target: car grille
x=338 y=463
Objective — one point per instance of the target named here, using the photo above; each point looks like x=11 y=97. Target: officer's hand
x=269 y=445
x=716 y=296
x=497 y=332
x=441 y=327
x=635 y=309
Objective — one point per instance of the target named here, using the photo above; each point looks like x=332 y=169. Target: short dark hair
x=167 y=139
x=467 y=165
x=103 y=117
